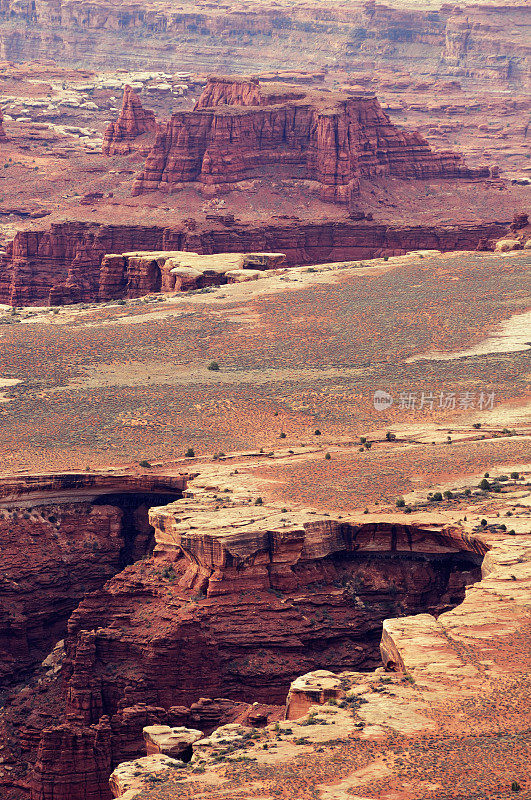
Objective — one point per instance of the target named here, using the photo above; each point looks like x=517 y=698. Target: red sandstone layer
x=62 y=264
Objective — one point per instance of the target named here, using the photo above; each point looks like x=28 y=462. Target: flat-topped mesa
x=242 y=130
x=3 y=137
x=133 y=121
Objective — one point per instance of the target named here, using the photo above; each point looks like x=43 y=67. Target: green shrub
x=328 y=456
x=437 y=496
x=515 y=475
x=258 y=501
x=400 y=503
x=485 y=485
x=213 y=366
x=390 y=436
x=190 y=453
x=468 y=492
x=144 y=463
x=282 y=435
x=448 y=494
x=317 y=432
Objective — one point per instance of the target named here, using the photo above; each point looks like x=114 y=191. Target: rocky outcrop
x=238 y=600
x=241 y=130
x=141 y=273
x=64 y=263
x=133 y=121
x=73 y=763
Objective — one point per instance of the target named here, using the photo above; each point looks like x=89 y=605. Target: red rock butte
x=241 y=129
x=133 y=121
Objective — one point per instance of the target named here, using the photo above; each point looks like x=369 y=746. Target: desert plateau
x=265 y=407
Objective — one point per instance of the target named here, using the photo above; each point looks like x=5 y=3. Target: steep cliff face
x=241 y=130
x=237 y=601
x=64 y=264
x=56 y=552
x=133 y=121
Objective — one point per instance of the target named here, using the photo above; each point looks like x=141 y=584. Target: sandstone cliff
x=241 y=129
x=238 y=600
x=64 y=263
x=133 y=121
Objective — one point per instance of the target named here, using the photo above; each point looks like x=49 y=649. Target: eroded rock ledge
x=239 y=598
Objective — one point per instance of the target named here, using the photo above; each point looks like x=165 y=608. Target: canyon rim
x=265 y=492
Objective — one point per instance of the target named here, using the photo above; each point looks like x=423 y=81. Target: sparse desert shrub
x=190 y=453
x=328 y=456
x=213 y=366
x=437 y=496
x=282 y=435
x=317 y=432
x=467 y=492
x=144 y=463
x=485 y=485
x=448 y=494
x=400 y=503
x=515 y=475
x=258 y=501
x=390 y=436
x=169 y=573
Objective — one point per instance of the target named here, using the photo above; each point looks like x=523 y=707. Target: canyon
x=243 y=598
x=265 y=484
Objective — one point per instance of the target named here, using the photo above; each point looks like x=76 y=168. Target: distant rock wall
x=470 y=40
x=63 y=264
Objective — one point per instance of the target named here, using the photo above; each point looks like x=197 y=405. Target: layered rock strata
x=63 y=264
x=478 y=40
x=133 y=121
x=140 y=273
x=62 y=539
x=242 y=130
x=238 y=600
